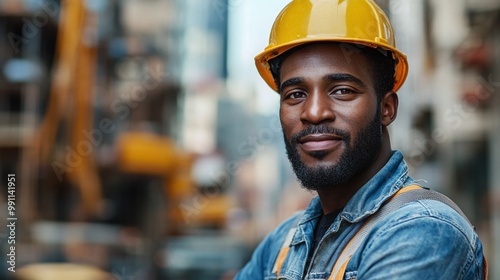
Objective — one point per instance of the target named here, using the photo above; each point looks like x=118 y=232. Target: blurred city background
x=144 y=145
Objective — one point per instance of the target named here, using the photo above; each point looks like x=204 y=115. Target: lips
x=319 y=142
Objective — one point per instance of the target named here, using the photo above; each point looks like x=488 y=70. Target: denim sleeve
x=254 y=269
x=261 y=264
x=423 y=240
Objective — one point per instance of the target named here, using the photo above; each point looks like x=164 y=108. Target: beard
x=355 y=158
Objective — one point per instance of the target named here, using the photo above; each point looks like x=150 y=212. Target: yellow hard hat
x=359 y=22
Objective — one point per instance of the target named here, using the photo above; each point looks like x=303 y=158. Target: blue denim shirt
x=424 y=239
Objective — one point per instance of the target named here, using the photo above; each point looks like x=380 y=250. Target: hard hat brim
x=263 y=67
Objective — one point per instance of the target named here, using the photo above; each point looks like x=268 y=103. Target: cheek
x=283 y=121
x=358 y=115
x=288 y=122
x=355 y=120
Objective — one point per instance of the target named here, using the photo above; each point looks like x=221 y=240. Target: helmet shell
x=360 y=22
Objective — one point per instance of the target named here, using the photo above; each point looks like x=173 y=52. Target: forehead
x=314 y=59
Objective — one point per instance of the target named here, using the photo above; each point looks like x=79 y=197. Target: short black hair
x=381 y=61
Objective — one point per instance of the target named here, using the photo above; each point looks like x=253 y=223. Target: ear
x=389 y=108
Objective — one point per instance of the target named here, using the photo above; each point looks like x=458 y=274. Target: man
x=337 y=69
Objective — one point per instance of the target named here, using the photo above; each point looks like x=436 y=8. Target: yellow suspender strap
x=396 y=201
x=400 y=198
x=284 y=250
x=343 y=259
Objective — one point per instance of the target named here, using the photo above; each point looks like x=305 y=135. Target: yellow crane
x=71 y=101
x=71 y=105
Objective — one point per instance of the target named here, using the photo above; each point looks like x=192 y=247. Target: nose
x=317 y=109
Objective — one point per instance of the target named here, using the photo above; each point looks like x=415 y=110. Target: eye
x=343 y=91
x=296 y=95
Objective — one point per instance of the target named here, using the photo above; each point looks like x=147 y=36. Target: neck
x=336 y=198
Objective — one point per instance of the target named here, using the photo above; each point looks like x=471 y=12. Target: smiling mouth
x=319 y=142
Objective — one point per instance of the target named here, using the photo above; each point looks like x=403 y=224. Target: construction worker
x=336 y=67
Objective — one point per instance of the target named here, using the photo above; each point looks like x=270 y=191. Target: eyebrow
x=336 y=77
x=343 y=77
x=291 y=82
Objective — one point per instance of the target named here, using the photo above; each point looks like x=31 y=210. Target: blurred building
x=447 y=119
x=94 y=99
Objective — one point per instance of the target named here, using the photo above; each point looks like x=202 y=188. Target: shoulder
x=267 y=251
x=429 y=216
x=425 y=238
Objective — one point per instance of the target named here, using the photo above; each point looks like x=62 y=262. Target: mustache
x=320 y=129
